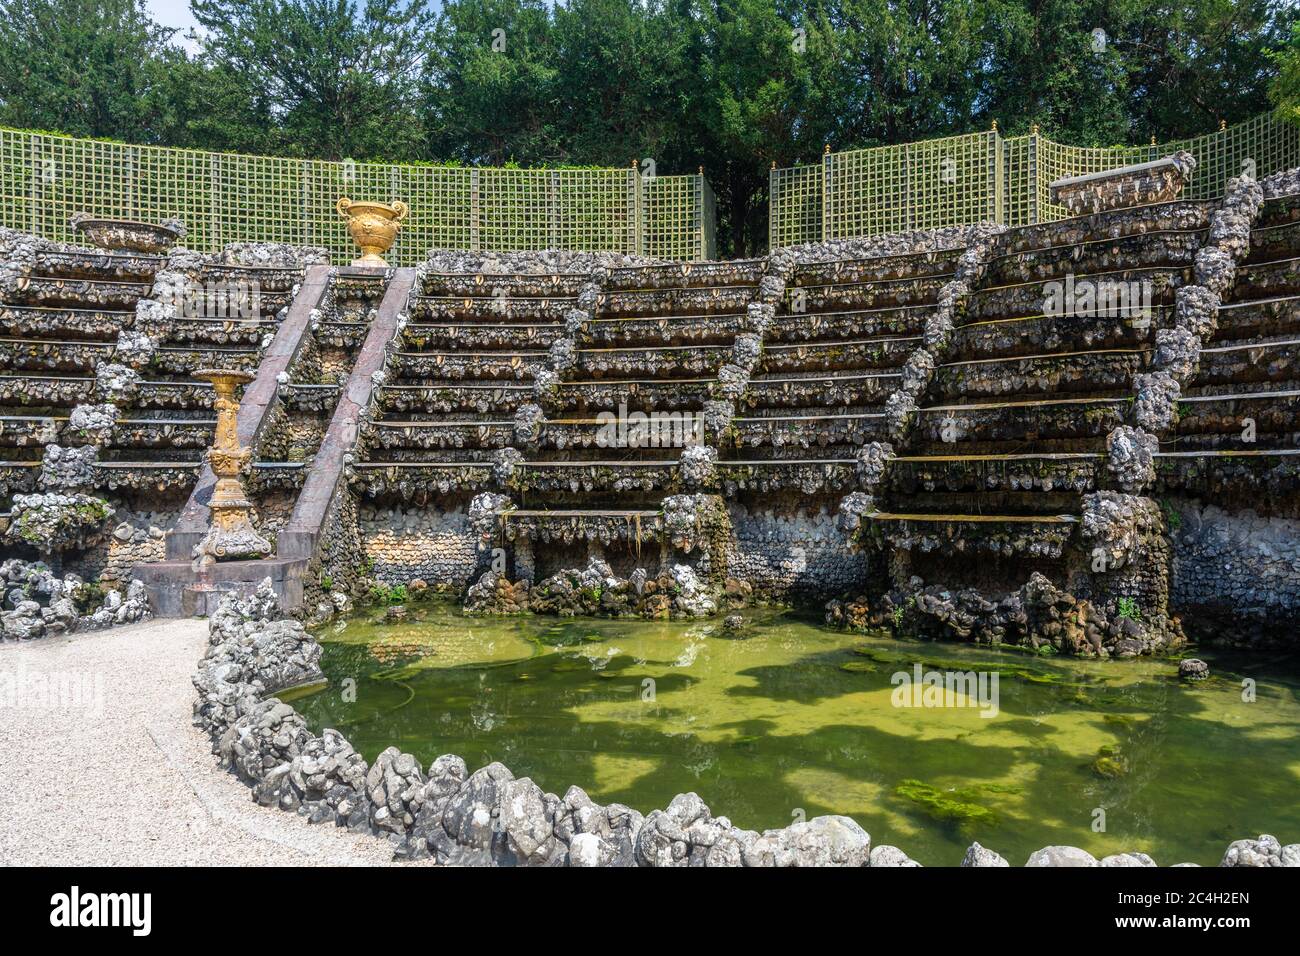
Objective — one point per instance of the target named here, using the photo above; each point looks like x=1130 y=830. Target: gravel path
x=107 y=770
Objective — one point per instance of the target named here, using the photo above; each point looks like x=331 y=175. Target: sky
x=175 y=13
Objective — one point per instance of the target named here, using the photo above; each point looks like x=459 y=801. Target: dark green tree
x=623 y=82
x=207 y=105
x=901 y=69
x=488 y=94
x=339 y=76
x=83 y=67
x=730 y=85
x=756 y=102
x=1285 y=90
x=1119 y=71
x=1190 y=65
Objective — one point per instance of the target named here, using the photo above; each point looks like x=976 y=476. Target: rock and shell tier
x=97 y=399
x=1093 y=399
x=980 y=392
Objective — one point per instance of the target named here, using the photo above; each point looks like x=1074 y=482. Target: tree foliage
x=728 y=85
x=83 y=67
x=338 y=76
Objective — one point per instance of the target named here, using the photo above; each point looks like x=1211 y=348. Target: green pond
x=795 y=719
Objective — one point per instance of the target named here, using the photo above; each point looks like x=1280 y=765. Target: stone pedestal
x=232 y=536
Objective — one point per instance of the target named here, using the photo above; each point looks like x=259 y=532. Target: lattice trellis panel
x=896 y=188
x=940 y=182
x=225 y=197
x=673 y=212
x=1020 y=201
x=593 y=209
x=795 y=212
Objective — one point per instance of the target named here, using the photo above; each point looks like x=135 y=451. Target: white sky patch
x=175 y=14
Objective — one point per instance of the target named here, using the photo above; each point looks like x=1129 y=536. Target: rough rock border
x=490 y=817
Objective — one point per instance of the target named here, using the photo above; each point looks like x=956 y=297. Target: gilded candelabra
x=232 y=536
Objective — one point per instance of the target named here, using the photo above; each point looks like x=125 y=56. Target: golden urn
x=373 y=226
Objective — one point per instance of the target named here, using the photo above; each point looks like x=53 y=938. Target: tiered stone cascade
x=1229 y=454
x=1010 y=500
x=96 y=394
x=571 y=407
x=845 y=331
x=962 y=390
x=1009 y=424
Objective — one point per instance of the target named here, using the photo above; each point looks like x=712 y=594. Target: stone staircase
x=1236 y=425
x=300 y=416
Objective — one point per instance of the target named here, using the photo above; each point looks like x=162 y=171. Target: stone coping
x=1080 y=276
x=1117 y=172
x=806 y=418
x=974 y=519
x=1101 y=240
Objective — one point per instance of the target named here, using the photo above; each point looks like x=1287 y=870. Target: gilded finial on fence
x=1033 y=130
x=701 y=170
x=1153 y=139
x=1223 y=124
x=826 y=149
x=995 y=126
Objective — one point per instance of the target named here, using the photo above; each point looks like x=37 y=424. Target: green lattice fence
x=795 y=198
x=666 y=232
x=939 y=182
x=983 y=176
x=224 y=197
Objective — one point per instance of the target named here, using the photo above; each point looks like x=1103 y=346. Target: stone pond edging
x=490 y=817
x=39 y=603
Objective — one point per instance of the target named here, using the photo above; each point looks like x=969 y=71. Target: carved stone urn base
x=232 y=536
x=242 y=544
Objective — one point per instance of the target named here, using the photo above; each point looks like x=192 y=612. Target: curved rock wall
x=490 y=817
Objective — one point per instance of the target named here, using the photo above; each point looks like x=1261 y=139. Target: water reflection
x=799 y=719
